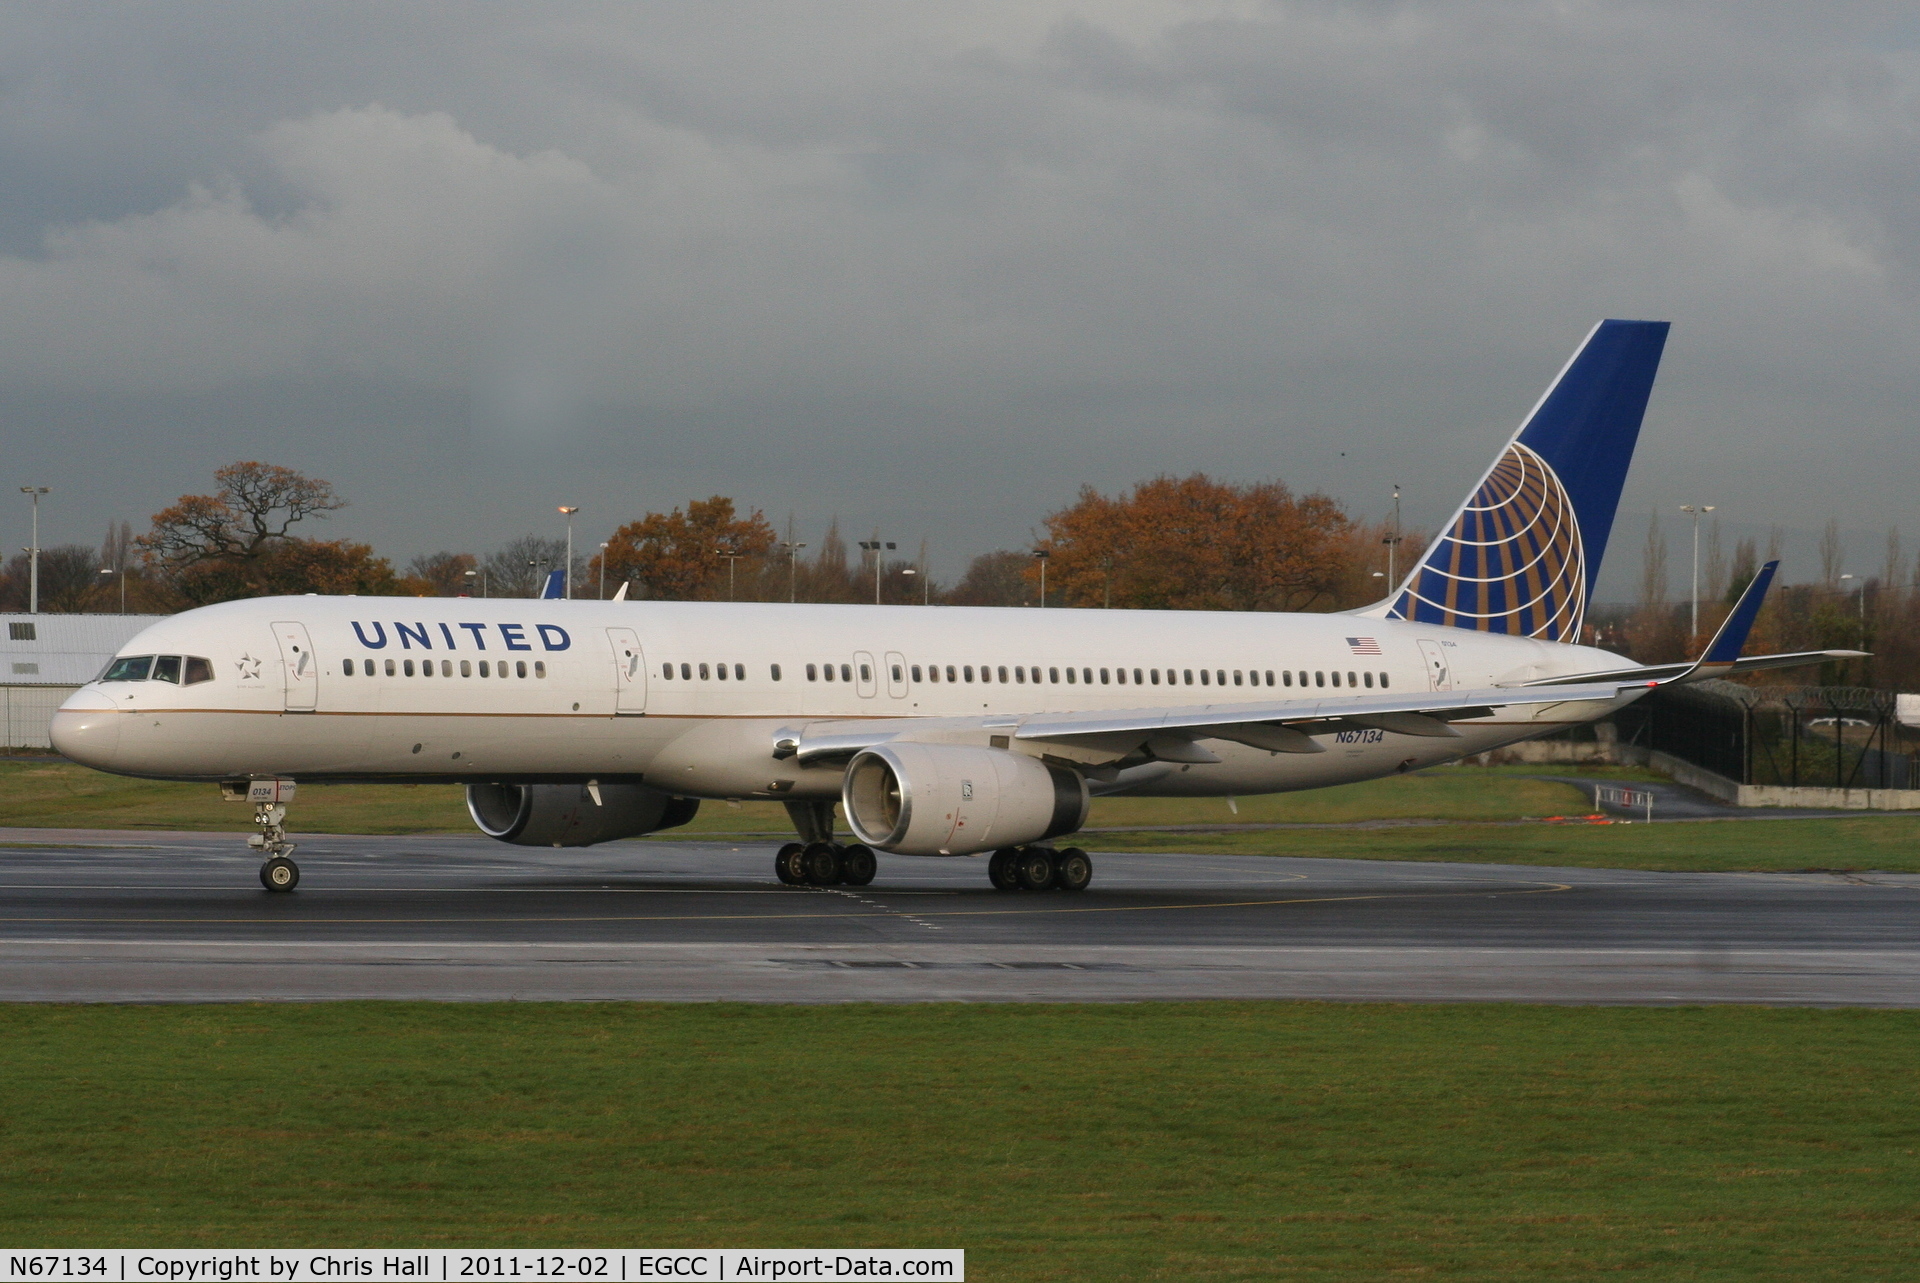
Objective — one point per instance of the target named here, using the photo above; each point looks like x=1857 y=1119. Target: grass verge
x=1191 y=1141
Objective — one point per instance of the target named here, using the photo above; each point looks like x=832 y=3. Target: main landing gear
x=1040 y=868
x=825 y=864
x=816 y=859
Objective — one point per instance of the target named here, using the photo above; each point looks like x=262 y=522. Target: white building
x=45 y=658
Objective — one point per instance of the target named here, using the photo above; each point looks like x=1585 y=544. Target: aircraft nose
x=87 y=729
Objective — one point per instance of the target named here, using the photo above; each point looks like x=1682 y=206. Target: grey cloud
x=937 y=267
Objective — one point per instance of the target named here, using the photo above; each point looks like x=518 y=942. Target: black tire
x=1035 y=868
x=822 y=863
x=786 y=864
x=1000 y=870
x=279 y=874
x=1072 y=869
x=858 y=864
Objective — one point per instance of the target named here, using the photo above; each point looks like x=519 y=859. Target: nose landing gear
x=269 y=798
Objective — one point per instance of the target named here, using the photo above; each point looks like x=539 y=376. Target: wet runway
x=97 y=916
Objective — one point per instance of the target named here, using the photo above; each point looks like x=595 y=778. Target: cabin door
x=629 y=672
x=1439 y=677
x=301 y=666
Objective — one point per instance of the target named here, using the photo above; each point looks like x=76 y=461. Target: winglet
x=556 y=585
x=1732 y=637
x=621 y=595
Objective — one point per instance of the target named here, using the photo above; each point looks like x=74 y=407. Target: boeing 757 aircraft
x=939 y=732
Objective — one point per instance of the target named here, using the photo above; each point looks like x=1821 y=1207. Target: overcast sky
x=933 y=267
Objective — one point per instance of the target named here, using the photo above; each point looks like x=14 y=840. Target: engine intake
x=954 y=799
x=565 y=814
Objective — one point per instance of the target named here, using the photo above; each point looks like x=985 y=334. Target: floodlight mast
x=33 y=553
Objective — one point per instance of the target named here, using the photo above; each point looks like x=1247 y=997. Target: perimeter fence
x=1844 y=737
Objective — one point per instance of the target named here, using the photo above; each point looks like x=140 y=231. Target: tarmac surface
x=164 y=917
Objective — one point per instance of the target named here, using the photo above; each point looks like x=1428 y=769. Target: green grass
x=52 y=794
x=1195 y=1141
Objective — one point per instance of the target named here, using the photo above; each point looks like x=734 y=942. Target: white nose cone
x=87 y=729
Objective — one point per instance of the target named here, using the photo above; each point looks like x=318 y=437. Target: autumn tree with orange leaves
x=676 y=556
x=1193 y=543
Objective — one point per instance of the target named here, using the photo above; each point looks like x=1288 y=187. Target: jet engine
x=954 y=799
x=566 y=815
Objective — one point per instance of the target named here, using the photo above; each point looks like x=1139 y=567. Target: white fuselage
x=595 y=700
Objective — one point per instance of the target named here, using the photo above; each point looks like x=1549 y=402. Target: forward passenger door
x=629 y=672
x=301 y=666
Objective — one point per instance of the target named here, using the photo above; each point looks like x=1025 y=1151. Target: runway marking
x=1542 y=889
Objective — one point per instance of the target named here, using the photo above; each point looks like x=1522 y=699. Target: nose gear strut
x=269 y=798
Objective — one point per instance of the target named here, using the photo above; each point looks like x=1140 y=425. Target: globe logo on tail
x=1512 y=561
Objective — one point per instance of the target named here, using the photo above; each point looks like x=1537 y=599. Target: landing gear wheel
x=1000 y=870
x=787 y=866
x=821 y=860
x=1035 y=868
x=1072 y=869
x=279 y=874
x=858 y=864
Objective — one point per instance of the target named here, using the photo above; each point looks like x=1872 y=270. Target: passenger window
x=1319 y=679
x=349 y=668
x=1236 y=677
x=950 y=673
x=1203 y=677
x=539 y=668
x=520 y=667
x=1336 y=679
x=686 y=672
x=486 y=669
x=1286 y=677
x=446 y=668
x=916 y=672
x=969 y=672
x=1350 y=679
x=813 y=673
x=466 y=668
x=167 y=669
x=896 y=672
x=1156 y=677
x=1136 y=677
x=201 y=670
x=1383 y=681
x=131 y=669
x=739 y=672
x=407 y=668
x=1269 y=677
x=1020 y=674
x=1003 y=673
x=389 y=668
x=706 y=674
x=1086 y=676
x=721 y=672
x=829 y=671
x=775 y=671
x=866 y=673
x=666 y=670
x=1069 y=676
x=1105 y=674
x=846 y=672
x=1188 y=673
x=1369 y=681
x=1053 y=675
x=1303 y=677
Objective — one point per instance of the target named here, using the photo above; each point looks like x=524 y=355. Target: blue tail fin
x=556 y=584
x=1520 y=555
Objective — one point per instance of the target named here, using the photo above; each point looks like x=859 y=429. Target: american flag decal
x=1363 y=645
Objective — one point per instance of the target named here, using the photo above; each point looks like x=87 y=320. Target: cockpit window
x=166 y=668
x=201 y=670
x=128 y=668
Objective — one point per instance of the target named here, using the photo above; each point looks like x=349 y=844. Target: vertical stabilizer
x=1520 y=555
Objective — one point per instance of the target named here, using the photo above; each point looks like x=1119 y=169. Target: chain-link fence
x=1843 y=737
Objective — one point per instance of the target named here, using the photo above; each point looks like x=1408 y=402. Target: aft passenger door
x=863 y=673
x=896 y=674
x=1439 y=676
x=301 y=666
x=630 y=672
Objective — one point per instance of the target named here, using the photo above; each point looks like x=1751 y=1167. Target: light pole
x=109 y=570
x=733 y=559
x=33 y=553
x=1862 y=592
x=1392 y=541
x=539 y=579
x=568 y=580
x=481 y=575
x=926 y=585
x=875 y=547
x=603 y=572
x=1040 y=555
x=793 y=567
x=1698 y=510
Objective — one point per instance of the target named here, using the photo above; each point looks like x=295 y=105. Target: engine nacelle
x=954 y=799
x=565 y=815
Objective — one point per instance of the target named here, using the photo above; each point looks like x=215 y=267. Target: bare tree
x=1653 y=565
x=257 y=504
x=1714 y=586
x=520 y=568
x=1833 y=554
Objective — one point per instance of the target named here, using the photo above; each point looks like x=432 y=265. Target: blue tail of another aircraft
x=1520 y=555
